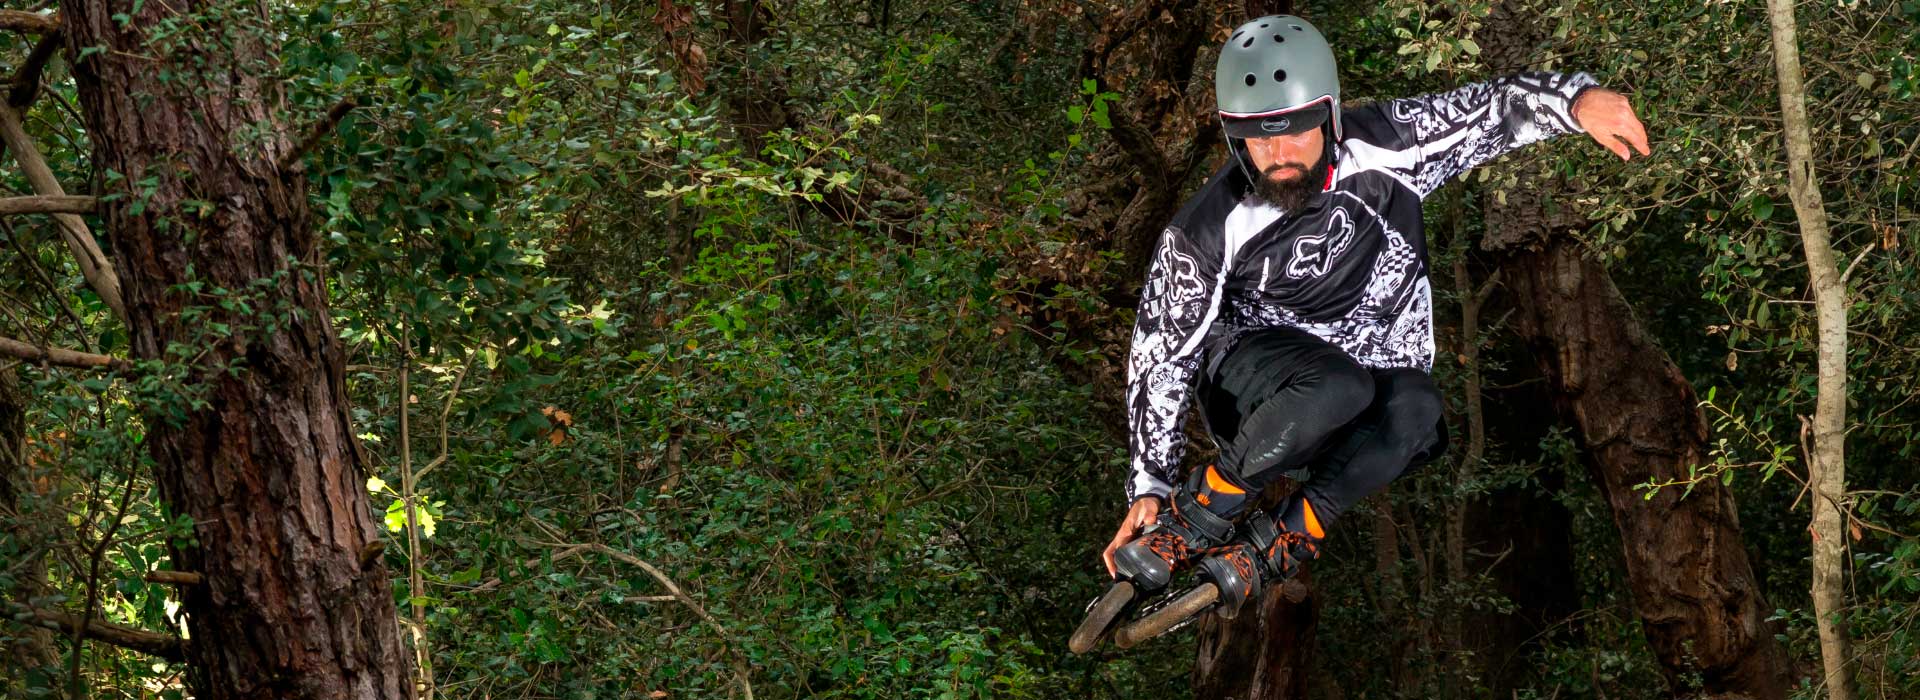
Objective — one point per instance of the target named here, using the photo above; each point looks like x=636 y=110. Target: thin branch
x=739 y=667
x=159 y=644
x=182 y=578
x=293 y=161
x=47 y=204
x=445 y=411
x=54 y=292
x=59 y=356
x=567 y=553
x=28 y=22
x=94 y=265
x=98 y=554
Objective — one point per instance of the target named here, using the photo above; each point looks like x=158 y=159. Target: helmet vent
x=1247 y=43
x=1279 y=39
x=1279 y=76
x=1251 y=80
x=1263 y=26
x=1297 y=28
x=1236 y=35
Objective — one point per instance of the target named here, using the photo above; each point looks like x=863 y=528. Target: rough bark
x=757 y=102
x=1638 y=421
x=265 y=464
x=1265 y=653
x=26 y=651
x=28 y=22
x=1828 y=465
x=1161 y=135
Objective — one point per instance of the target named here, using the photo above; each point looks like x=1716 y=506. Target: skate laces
x=1170 y=542
x=1288 y=544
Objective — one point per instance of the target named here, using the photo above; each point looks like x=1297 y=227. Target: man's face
x=1284 y=159
x=1289 y=167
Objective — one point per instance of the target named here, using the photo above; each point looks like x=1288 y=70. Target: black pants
x=1281 y=399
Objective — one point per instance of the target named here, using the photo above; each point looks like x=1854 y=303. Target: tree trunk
x=1827 y=465
x=1266 y=652
x=218 y=255
x=1639 y=421
x=26 y=651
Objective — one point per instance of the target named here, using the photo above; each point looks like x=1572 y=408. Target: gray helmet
x=1276 y=75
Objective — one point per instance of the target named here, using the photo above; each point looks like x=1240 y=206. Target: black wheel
x=1156 y=623
x=1100 y=617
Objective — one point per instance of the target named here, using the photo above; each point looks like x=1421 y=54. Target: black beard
x=1289 y=196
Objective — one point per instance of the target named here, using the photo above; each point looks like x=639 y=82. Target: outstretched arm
x=1434 y=138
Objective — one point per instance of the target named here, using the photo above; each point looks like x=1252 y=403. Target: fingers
x=1142 y=513
x=1613 y=143
x=1637 y=134
x=1120 y=538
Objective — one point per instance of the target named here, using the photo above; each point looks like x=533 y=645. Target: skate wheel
x=1100 y=617
x=1156 y=623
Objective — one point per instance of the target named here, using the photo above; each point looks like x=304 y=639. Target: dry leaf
x=1853 y=528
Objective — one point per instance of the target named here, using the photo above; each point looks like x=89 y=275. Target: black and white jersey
x=1349 y=267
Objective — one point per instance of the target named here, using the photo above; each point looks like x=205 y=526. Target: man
x=1294 y=284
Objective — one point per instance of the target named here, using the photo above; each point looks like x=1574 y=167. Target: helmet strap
x=1236 y=148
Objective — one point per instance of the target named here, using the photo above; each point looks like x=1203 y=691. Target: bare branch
x=58 y=356
x=570 y=552
x=160 y=644
x=94 y=265
x=28 y=22
x=739 y=667
x=47 y=204
x=293 y=161
x=26 y=81
x=183 y=578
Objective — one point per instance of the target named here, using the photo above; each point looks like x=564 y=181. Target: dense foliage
x=706 y=348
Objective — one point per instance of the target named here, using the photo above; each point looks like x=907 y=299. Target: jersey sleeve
x=1178 y=304
x=1448 y=133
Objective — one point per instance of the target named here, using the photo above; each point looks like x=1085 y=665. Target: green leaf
x=1468 y=46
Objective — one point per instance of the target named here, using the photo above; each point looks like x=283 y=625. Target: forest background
x=774 y=349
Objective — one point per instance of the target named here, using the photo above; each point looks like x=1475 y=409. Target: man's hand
x=1142 y=514
x=1608 y=118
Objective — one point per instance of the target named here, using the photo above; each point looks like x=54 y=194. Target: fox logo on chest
x=1313 y=253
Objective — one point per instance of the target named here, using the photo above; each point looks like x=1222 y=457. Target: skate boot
x=1200 y=520
x=1197 y=522
x=1265 y=551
